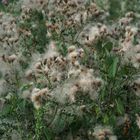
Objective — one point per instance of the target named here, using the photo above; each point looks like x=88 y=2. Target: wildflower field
x=69 y=69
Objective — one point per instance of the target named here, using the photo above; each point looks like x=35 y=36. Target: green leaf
x=120 y=106
x=106 y=119
x=97 y=110
x=115 y=9
x=5 y=111
x=113 y=68
x=25 y=87
x=108 y=46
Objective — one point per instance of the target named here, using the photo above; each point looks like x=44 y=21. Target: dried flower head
x=138 y=120
x=101 y=133
x=38 y=95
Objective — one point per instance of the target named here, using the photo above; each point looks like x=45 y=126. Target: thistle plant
x=69 y=70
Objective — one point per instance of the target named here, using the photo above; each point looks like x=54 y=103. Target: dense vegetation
x=69 y=70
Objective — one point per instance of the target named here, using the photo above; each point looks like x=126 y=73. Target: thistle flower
x=125 y=21
x=26 y=94
x=101 y=133
x=29 y=74
x=130 y=14
x=126 y=45
x=132 y=55
x=91 y=34
x=81 y=53
x=103 y=29
x=36 y=4
x=51 y=52
x=87 y=81
x=138 y=120
x=38 y=65
x=37 y=95
x=55 y=76
x=73 y=56
x=113 y=138
x=5 y=2
x=137 y=86
x=12 y=58
x=71 y=49
x=73 y=73
x=72 y=93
